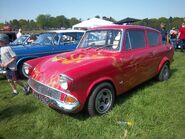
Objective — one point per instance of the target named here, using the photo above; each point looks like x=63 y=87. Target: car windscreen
x=20 y=40
x=102 y=39
x=44 y=39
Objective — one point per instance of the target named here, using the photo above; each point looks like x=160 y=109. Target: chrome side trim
x=65 y=76
x=23 y=69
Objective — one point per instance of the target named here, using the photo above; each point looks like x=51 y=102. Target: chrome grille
x=44 y=89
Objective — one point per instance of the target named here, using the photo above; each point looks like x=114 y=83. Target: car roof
x=123 y=27
x=65 y=31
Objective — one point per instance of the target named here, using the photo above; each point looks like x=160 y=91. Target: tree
x=73 y=21
x=97 y=16
x=32 y=25
x=62 y=21
x=15 y=24
x=108 y=19
x=43 y=21
x=24 y=24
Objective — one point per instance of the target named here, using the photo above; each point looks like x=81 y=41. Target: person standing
x=181 y=36
x=19 y=33
x=8 y=62
x=173 y=37
x=163 y=33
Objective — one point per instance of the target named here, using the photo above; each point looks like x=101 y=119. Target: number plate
x=42 y=98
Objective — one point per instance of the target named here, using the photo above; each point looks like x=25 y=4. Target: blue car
x=46 y=44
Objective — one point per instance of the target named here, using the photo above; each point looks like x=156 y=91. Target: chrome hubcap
x=103 y=100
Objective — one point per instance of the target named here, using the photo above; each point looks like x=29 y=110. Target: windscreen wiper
x=104 y=46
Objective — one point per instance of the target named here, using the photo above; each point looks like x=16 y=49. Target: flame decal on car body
x=82 y=57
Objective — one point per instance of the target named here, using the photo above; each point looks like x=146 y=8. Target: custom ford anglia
x=109 y=61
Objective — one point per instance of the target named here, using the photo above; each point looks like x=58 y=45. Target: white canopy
x=93 y=22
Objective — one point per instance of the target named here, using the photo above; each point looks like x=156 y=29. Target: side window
x=55 y=40
x=79 y=36
x=153 y=38
x=134 y=39
x=127 y=45
x=68 y=38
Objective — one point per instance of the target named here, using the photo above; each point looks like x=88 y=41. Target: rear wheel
x=101 y=100
x=164 y=73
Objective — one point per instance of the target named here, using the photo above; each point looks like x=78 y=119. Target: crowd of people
x=175 y=36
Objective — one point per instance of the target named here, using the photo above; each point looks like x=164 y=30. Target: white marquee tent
x=93 y=22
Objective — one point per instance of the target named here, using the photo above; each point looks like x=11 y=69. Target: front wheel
x=20 y=71
x=101 y=99
x=164 y=73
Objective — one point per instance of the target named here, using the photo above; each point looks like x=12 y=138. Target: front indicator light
x=70 y=100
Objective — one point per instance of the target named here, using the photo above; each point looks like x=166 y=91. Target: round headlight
x=65 y=81
x=64 y=84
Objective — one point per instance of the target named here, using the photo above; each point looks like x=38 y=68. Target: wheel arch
x=21 y=60
x=95 y=84
x=19 y=64
x=163 y=61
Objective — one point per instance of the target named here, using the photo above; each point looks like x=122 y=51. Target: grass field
x=153 y=110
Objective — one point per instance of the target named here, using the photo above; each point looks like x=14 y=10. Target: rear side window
x=153 y=38
x=68 y=38
x=134 y=39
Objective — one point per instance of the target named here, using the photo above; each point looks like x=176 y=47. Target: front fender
x=98 y=81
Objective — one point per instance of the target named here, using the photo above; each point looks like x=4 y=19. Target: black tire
x=164 y=73
x=23 y=74
x=101 y=99
x=20 y=71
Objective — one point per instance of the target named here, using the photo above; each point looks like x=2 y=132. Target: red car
x=109 y=61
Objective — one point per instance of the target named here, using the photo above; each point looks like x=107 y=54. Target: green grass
x=154 y=110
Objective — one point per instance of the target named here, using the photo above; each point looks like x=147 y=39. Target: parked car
x=109 y=61
x=46 y=44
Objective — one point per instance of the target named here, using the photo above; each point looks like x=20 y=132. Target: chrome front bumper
x=51 y=96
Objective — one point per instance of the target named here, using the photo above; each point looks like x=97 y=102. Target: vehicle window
x=44 y=39
x=79 y=36
x=127 y=42
x=153 y=38
x=56 y=39
x=134 y=39
x=20 y=40
x=68 y=38
x=104 y=39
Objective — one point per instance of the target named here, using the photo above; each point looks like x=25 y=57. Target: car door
x=41 y=47
x=135 y=58
x=156 y=50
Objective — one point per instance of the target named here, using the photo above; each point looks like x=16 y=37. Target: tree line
x=46 y=21
x=43 y=22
